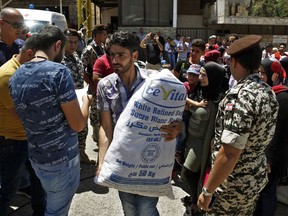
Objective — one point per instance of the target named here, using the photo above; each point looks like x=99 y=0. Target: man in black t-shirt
x=154 y=48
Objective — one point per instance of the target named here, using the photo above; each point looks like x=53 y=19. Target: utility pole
x=61 y=6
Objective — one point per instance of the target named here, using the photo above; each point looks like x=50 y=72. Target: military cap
x=243 y=44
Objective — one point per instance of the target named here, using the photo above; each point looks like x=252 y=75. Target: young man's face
x=196 y=54
x=122 y=59
x=103 y=36
x=71 y=44
x=282 y=48
x=192 y=78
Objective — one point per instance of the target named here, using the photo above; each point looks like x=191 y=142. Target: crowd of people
x=231 y=141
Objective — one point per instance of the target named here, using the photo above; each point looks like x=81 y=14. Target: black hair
x=124 y=39
x=98 y=29
x=71 y=32
x=250 y=59
x=49 y=35
x=30 y=43
x=199 y=43
x=234 y=35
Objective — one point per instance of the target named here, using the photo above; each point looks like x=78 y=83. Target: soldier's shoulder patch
x=229 y=106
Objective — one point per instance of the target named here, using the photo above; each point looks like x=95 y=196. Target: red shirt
x=103 y=66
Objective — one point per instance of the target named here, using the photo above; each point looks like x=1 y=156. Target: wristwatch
x=205 y=192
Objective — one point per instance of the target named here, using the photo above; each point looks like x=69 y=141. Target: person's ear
x=30 y=53
x=135 y=55
x=58 y=45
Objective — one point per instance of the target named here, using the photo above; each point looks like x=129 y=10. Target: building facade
x=194 y=18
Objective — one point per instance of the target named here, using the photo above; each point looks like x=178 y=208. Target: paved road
x=91 y=200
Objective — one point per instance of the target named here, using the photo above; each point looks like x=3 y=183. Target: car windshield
x=35 y=25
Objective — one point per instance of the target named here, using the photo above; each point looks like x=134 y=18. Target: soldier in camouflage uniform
x=245 y=124
x=89 y=55
x=74 y=63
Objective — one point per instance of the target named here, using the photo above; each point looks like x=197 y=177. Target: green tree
x=270 y=8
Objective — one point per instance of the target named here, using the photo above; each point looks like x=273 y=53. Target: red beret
x=243 y=44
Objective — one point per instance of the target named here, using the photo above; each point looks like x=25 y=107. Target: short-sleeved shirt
x=7 y=52
x=153 y=53
x=10 y=127
x=113 y=96
x=38 y=89
x=74 y=63
x=246 y=120
x=103 y=66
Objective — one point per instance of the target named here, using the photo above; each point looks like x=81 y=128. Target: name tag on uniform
x=229 y=106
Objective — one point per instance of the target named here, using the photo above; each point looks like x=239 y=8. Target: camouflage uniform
x=89 y=55
x=246 y=120
x=74 y=63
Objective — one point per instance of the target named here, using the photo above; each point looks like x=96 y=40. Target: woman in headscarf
x=276 y=74
x=201 y=130
x=277 y=150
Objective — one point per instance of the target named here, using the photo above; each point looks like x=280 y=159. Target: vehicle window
x=35 y=25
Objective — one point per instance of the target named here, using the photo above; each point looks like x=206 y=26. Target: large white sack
x=138 y=160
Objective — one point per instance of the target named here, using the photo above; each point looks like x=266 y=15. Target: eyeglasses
x=15 y=25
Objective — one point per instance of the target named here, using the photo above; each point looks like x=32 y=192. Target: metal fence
x=202 y=33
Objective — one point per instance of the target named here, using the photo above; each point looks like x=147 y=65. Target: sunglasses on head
x=15 y=25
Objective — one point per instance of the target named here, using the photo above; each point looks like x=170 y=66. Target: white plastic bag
x=138 y=160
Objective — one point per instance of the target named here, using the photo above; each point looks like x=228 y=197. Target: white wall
x=107 y=13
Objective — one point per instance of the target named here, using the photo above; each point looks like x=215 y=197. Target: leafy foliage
x=270 y=8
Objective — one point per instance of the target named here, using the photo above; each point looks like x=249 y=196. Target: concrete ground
x=92 y=199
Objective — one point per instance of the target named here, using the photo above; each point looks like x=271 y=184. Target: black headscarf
x=215 y=74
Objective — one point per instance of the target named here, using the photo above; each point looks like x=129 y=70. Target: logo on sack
x=150 y=153
x=165 y=93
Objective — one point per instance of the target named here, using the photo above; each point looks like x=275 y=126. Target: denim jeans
x=137 y=205
x=60 y=183
x=171 y=57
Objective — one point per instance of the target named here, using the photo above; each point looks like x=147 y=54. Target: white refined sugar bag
x=138 y=160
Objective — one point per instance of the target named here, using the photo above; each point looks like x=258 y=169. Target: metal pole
x=61 y=7
x=79 y=7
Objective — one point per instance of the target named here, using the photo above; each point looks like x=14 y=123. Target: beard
x=121 y=69
x=59 y=57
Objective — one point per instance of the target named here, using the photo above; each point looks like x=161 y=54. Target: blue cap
x=194 y=68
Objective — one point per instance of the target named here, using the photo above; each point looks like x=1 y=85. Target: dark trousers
x=13 y=156
x=267 y=202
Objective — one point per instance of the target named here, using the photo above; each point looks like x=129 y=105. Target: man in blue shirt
x=44 y=96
